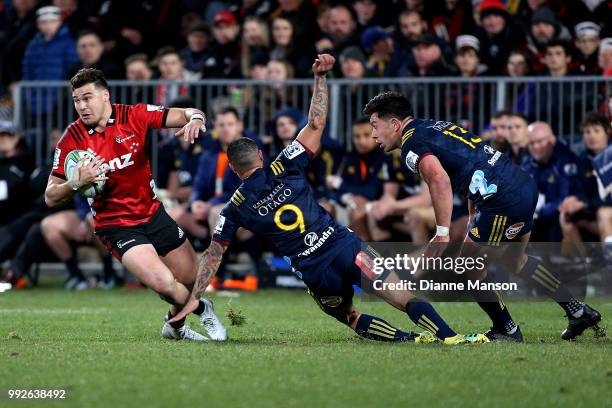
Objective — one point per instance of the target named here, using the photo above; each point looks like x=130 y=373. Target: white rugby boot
x=211 y=323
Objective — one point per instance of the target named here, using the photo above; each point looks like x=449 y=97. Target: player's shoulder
x=238 y=198
x=122 y=113
x=74 y=134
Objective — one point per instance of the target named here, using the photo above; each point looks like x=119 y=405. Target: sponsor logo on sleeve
x=154 y=108
x=220 y=224
x=411 y=161
x=56 y=158
x=293 y=150
x=514 y=229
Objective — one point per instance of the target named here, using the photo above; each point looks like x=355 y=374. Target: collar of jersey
x=253 y=182
x=111 y=121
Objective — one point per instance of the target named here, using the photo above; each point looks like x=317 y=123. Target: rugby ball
x=70 y=166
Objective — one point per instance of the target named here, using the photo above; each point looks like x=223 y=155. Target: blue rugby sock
x=422 y=313
x=375 y=328
x=541 y=274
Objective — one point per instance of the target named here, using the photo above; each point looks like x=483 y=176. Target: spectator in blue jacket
x=555 y=169
x=579 y=216
x=49 y=56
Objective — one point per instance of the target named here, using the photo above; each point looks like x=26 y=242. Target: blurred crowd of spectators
x=49 y=40
x=277 y=40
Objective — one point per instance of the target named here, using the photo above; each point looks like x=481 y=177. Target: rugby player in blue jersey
x=276 y=203
x=502 y=200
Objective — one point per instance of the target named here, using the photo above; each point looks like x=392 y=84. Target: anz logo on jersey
x=117 y=163
x=479 y=185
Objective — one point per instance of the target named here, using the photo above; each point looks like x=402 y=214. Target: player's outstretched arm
x=190 y=120
x=310 y=135
x=209 y=264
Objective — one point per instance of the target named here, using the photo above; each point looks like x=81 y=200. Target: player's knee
x=164 y=287
x=51 y=227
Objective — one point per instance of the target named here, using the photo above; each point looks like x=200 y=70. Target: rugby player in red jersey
x=128 y=218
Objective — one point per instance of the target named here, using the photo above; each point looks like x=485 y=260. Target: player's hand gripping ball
x=81 y=166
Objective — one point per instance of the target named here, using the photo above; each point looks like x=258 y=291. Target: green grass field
x=105 y=349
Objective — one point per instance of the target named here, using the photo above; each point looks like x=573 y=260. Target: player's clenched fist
x=323 y=64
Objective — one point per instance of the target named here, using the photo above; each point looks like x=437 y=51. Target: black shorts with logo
x=161 y=232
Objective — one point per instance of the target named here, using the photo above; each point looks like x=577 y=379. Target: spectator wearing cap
x=255 y=44
x=91 y=55
x=197 y=50
x=378 y=43
x=467 y=56
x=19 y=26
x=544 y=28
x=469 y=95
x=497 y=36
x=224 y=60
x=587 y=43
x=428 y=58
x=353 y=66
x=49 y=56
x=605 y=56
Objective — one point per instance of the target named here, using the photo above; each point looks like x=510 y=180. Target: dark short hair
x=596 y=119
x=389 y=105
x=85 y=32
x=361 y=121
x=229 y=109
x=519 y=115
x=501 y=113
x=142 y=57
x=163 y=51
x=88 y=76
x=560 y=43
x=243 y=154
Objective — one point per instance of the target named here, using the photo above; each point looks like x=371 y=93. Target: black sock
x=541 y=274
x=200 y=309
x=177 y=324
x=493 y=305
x=422 y=313
x=108 y=271
x=375 y=328
x=72 y=264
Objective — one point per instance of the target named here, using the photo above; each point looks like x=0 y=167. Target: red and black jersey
x=129 y=194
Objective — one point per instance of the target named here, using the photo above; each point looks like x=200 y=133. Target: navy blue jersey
x=486 y=176
x=276 y=202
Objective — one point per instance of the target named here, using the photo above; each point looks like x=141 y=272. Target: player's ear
x=232 y=167
x=260 y=154
x=105 y=95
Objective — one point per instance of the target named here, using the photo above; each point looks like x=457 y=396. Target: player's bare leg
x=604 y=220
x=146 y=265
x=59 y=230
x=182 y=262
